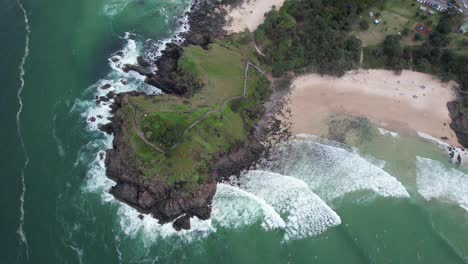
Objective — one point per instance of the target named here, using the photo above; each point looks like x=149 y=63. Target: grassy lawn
x=396 y=15
x=459 y=42
x=164 y=118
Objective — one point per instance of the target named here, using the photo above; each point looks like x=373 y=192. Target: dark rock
x=444 y=138
x=199 y=39
x=459 y=122
x=136 y=68
x=141 y=216
x=103 y=99
x=142 y=62
x=146 y=200
x=107 y=128
x=126 y=192
x=182 y=222
x=92 y=119
x=110 y=95
x=106 y=86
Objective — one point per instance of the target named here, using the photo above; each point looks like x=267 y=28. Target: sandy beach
x=411 y=102
x=250 y=14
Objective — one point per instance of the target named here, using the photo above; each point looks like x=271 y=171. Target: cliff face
x=459 y=122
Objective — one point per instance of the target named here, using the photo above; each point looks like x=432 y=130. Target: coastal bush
x=363 y=24
x=311 y=34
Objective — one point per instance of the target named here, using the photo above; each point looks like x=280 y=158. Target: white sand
x=408 y=102
x=250 y=14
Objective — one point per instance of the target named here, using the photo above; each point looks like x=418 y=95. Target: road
x=463 y=4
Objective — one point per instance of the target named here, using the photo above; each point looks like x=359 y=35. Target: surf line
x=20 y=231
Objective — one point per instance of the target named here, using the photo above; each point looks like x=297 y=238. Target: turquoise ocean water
x=386 y=200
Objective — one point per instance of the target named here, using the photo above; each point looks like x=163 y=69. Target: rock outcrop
x=459 y=122
x=150 y=195
x=155 y=197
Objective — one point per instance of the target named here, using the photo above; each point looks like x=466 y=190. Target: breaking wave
x=331 y=171
x=234 y=208
x=434 y=180
x=306 y=214
x=20 y=230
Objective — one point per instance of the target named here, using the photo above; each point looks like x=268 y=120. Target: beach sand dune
x=410 y=101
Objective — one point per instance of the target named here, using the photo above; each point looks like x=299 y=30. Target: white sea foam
x=114 y=7
x=434 y=180
x=234 y=208
x=307 y=214
x=330 y=171
x=58 y=142
x=152 y=231
x=385 y=132
x=95 y=114
x=78 y=251
x=324 y=141
x=20 y=230
x=456 y=155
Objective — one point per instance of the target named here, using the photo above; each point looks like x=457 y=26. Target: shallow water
x=385 y=199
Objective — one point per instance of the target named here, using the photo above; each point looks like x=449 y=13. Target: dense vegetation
x=318 y=35
x=312 y=34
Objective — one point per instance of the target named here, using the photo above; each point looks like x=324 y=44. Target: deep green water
x=68 y=218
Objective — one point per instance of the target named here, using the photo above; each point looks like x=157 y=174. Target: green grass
x=396 y=15
x=164 y=118
x=459 y=42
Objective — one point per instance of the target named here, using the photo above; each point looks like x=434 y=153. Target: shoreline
x=411 y=101
x=155 y=197
x=168 y=205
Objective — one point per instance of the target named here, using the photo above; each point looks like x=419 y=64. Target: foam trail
x=234 y=207
x=384 y=132
x=330 y=171
x=457 y=155
x=20 y=230
x=307 y=214
x=434 y=180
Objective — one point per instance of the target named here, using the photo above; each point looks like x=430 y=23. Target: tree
x=418 y=37
x=363 y=24
x=405 y=32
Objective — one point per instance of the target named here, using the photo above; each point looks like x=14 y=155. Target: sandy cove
x=411 y=101
x=250 y=14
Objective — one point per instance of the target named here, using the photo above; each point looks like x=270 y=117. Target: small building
x=377 y=21
x=464 y=27
x=422 y=8
x=423 y=29
x=371 y=14
x=431 y=12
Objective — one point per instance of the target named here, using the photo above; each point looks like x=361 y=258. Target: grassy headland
x=182 y=135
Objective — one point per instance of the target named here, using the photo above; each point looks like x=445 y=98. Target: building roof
x=464 y=27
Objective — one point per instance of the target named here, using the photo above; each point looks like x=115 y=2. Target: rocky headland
x=181 y=200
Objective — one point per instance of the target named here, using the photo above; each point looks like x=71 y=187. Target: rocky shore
x=459 y=122
x=152 y=196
